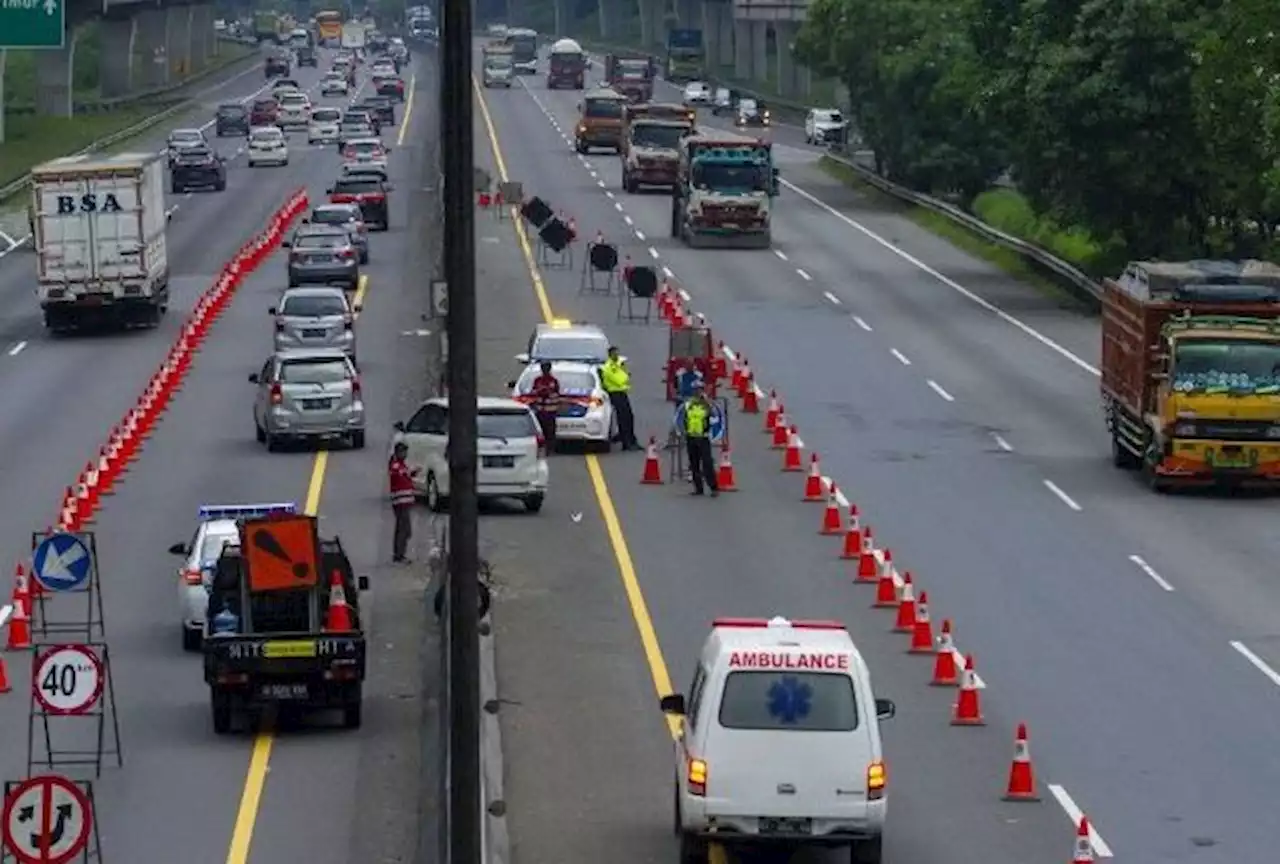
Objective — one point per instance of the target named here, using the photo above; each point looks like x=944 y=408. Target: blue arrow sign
x=61 y=562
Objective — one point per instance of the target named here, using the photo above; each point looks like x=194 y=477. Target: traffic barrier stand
x=945 y=673
x=652 y=475
x=725 y=479
x=339 y=618
x=1022 y=776
x=780 y=433
x=1082 y=850
x=922 y=629
x=831 y=521
x=791 y=456
x=851 y=549
x=906 y=619
x=19 y=629
x=868 y=565
x=771 y=413
x=967 y=710
x=813 y=482
x=751 y=399
x=887 y=589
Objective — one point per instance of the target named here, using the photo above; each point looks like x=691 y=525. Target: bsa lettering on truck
x=88 y=204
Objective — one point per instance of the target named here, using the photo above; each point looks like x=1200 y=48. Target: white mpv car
x=268 y=146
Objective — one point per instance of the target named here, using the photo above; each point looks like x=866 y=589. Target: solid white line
x=803 y=275
x=780 y=254
x=1151 y=571
x=1004 y=316
x=902 y=358
x=835 y=301
x=17 y=349
x=863 y=324
x=1260 y=664
x=1075 y=814
x=666 y=271
x=937 y=388
x=1065 y=498
x=1001 y=443
x=652 y=252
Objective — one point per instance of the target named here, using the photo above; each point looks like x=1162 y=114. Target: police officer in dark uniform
x=695 y=414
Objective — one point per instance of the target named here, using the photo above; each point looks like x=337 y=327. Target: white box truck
x=99 y=236
x=353 y=35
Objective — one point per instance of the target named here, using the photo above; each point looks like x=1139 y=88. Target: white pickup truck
x=98 y=230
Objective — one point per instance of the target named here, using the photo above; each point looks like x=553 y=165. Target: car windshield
x=325 y=115
x=828 y=117
x=1226 y=366
x=365 y=147
x=660 y=137
x=356 y=117
x=235 y=111
x=264 y=105
x=576 y=381
x=747 y=106
x=197 y=153
x=505 y=423
x=355 y=187
x=293 y=99
x=799 y=701
x=633 y=68
x=268 y=135
x=608 y=108
x=333 y=216
x=325 y=240
x=186 y=136
x=583 y=348
x=313 y=305
x=313 y=370
x=729 y=178
x=211 y=548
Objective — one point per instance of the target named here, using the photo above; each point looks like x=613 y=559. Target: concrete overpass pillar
x=178 y=41
x=650 y=20
x=784 y=33
x=742 y=34
x=53 y=69
x=688 y=14
x=604 y=15
x=201 y=25
x=151 y=49
x=759 y=50
x=115 y=56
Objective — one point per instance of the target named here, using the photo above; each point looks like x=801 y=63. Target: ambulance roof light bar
x=776 y=621
x=245 y=511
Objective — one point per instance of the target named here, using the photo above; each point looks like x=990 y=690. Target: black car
x=276 y=66
x=197 y=167
x=306 y=55
x=369 y=189
x=232 y=119
x=383 y=111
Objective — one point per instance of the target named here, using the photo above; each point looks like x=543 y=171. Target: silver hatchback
x=309 y=394
x=315 y=317
x=320 y=254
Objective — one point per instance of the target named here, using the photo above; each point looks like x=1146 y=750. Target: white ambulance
x=780 y=741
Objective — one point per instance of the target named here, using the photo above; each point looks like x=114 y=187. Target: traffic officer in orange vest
x=402 y=498
x=546 y=403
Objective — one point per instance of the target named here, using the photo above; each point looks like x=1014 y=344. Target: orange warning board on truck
x=281 y=553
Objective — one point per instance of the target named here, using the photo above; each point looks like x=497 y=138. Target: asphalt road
x=315 y=794
x=959 y=411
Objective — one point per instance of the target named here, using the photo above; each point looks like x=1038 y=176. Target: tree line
x=1154 y=124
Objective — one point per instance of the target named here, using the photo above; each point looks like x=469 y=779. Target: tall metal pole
x=465 y=818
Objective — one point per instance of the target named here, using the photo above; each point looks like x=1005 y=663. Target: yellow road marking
x=361 y=287
x=408 y=109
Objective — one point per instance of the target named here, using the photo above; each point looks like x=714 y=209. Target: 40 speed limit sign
x=67 y=679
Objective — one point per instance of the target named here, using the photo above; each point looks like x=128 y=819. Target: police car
x=586 y=414
x=779 y=741
x=219 y=527
x=566 y=340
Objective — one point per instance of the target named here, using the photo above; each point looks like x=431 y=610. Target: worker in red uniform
x=402 y=498
x=546 y=403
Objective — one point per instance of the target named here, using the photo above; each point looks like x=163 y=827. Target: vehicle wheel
x=437 y=502
x=258 y=433
x=580 y=147
x=357 y=438
x=1121 y=456
x=220 y=703
x=191 y=639
x=221 y=186
x=364 y=257
x=693 y=850
x=352 y=713
x=867 y=852
x=533 y=503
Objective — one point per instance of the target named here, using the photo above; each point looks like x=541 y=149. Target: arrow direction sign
x=62 y=562
x=33 y=23
x=46 y=820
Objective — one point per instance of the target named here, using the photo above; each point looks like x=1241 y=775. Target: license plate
x=320 y=259
x=284 y=691
x=498 y=461
x=93 y=299
x=316 y=403
x=314 y=334
x=1233 y=458
x=785 y=826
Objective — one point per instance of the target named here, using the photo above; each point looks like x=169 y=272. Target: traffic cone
x=21 y=589
x=967 y=710
x=106 y=470
x=725 y=480
x=868 y=567
x=780 y=434
x=652 y=468
x=1082 y=852
x=737 y=378
x=751 y=398
x=338 y=619
x=771 y=413
x=887 y=588
x=90 y=476
x=791 y=458
x=744 y=372
x=5 y=686
x=944 y=660
x=813 y=482
x=922 y=630
x=906 y=620
x=19 y=629
x=852 y=548
x=1022 y=777
x=832 y=523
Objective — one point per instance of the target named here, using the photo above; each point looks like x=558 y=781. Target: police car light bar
x=744 y=623
x=244 y=511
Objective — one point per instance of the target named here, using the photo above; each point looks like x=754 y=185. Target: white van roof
x=566 y=46
x=779 y=643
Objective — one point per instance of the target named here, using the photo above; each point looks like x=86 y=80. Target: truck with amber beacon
x=723 y=192
x=651 y=136
x=1191 y=372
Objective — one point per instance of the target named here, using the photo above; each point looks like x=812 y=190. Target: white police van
x=780 y=741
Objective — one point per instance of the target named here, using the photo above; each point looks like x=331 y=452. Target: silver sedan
x=315 y=317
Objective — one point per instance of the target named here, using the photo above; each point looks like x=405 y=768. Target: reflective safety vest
x=696 y=419
x=401 y=483
x=615 y=376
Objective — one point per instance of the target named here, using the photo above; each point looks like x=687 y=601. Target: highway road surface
x=184 y=794
x=1133 y=633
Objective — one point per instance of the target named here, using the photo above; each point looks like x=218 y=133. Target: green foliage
x=1152 y=122
x=30 y=140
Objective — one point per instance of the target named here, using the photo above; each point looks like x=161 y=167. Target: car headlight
x=1184 y=429
x=1273 y=431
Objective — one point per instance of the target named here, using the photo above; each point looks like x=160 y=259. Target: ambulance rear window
x=802 y=701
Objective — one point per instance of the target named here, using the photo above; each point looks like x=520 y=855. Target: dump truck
x=631 y=75
x=283 y=627
x=568 y=66
x=268 y=27
x=1191 y=372
x=651 y=135
x=100 y=240
x=723 y=192
x=599 y=121
x=686 y=57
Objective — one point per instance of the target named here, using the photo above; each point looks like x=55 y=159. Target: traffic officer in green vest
x=617 y=383
x=695 y=413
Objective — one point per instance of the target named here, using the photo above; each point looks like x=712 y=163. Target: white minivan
x=779 y=741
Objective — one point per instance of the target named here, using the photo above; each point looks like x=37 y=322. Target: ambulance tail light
x=193 y=577
x=877 y=778
x=697 y=777
x=749 y=623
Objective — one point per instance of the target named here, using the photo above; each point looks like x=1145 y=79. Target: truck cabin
x=649 y=134
x=731 y=172
x=602 y=108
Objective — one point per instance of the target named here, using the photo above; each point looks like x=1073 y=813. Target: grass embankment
x=1008 y=211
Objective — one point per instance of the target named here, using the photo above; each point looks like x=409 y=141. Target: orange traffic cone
x=738 y=379
x=968 y=711
x=751 y=397
x=745 y=377
x=5 y=686
x=652 y=469
x=19 y=629
x=852 y=548
x=887 y=588
x=906 y=621
x=339 y=618
x=945 y=673
x=922 y=632
x=1022 y=777
x=868 y=567
x=21 y=588
x=780 y=433
x=771 y=413
x=832 y=523
x=791 y=457
x=1082 y=852
x=813 y=482
x=725 y=480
